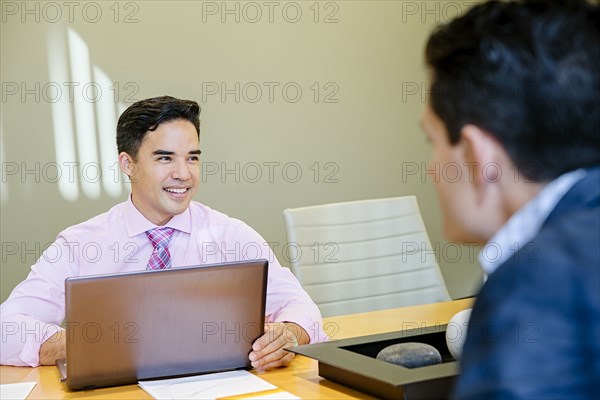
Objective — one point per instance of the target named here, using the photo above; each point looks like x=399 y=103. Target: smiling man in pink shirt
x=158 y=142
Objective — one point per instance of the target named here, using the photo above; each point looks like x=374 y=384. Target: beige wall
x=359 y=131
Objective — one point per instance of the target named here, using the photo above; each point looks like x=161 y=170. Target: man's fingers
x=281 y=362
x=272 y=354
x=272 y=332
x=270 y=348
x=269 y=358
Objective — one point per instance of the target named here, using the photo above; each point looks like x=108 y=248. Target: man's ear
x=482 y=152
x=126 y=164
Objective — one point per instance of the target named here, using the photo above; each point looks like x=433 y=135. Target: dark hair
x=528 y=72
x=146 y=115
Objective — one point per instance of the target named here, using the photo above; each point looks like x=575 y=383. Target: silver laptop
x=122 y=328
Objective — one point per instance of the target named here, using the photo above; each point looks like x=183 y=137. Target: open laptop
x=122 y=328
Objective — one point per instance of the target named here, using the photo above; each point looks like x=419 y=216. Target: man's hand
x=53 y=348
x=267 y=350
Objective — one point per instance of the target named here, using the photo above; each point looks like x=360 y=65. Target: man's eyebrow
x=170 y=153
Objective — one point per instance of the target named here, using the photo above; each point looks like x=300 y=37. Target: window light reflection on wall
x=84 y=120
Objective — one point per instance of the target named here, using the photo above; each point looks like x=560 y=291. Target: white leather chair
x=363 y=255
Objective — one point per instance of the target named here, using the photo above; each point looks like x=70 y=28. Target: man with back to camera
x=159 y=226
x=515 y=102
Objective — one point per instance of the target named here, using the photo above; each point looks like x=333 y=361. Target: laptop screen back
x=122 y=328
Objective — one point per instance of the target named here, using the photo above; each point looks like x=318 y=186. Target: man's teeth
x=173 y=190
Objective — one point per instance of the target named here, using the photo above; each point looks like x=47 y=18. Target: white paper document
x=16 y=391
x=210 y=386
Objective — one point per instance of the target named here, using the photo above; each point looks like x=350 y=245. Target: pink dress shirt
x=116 y=242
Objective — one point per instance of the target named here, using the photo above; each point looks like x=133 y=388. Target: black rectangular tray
x=352 y=362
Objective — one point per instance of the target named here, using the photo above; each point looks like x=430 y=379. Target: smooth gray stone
x=410 y=355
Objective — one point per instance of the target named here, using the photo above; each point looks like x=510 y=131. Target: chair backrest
x=364 y=255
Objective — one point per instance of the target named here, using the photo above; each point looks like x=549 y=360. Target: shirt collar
x=136 y=223
x=525 y=224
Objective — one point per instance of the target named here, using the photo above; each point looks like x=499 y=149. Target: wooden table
x=300 y=378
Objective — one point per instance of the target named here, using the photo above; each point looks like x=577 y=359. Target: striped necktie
x=160 y=238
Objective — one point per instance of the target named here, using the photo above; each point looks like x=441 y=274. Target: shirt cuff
x=31 y=351
x=313 y=328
